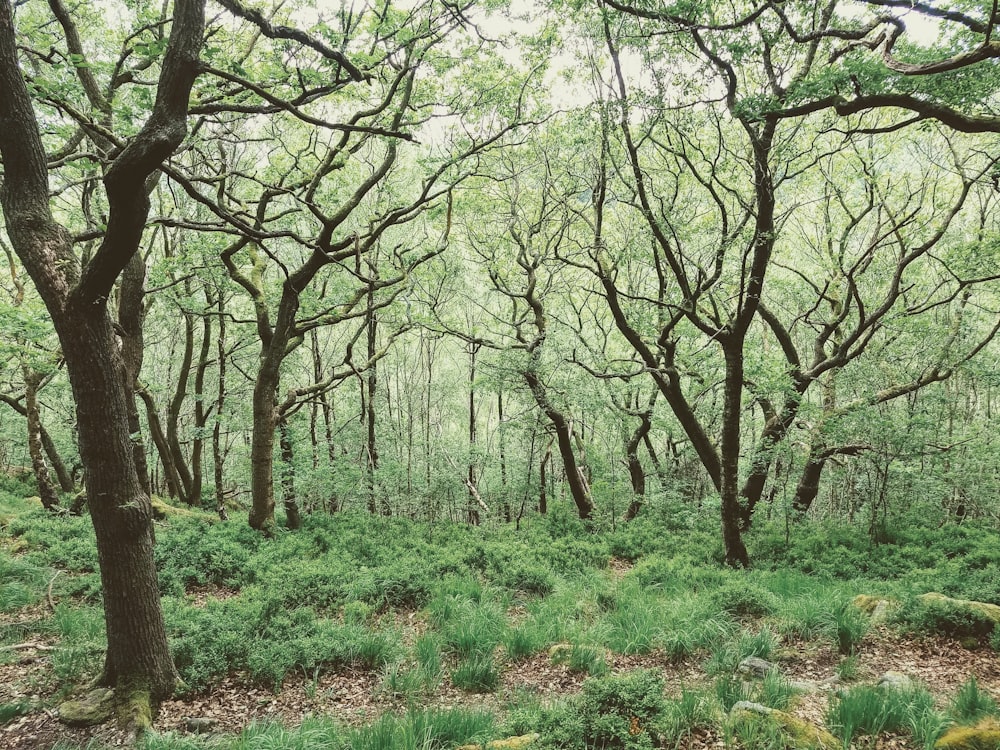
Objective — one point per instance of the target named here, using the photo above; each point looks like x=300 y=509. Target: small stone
x=96 y=707
x=754 y=666
x=201 y=724
x=751 y=707
x=893 y=680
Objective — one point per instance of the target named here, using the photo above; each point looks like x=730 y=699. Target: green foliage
x=945 y=618
x=12 y=710
x=476 y=673
x=744 y=599
x=866 y=710
x=81 y=642
x=849 y=626
x=622 y=711
x=256 y=633
x=24 y=582
x=971 y=704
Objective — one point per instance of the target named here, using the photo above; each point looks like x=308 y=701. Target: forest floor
x=355 y=696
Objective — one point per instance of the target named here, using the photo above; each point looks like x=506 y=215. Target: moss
x=96 y=707
x=982 y=736
x=989 y=611
x=163 y=510
x=511 y=743
x=134 y=707
x=798 y=733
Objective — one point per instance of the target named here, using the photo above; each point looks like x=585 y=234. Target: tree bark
x=137 y=661
x=293 y=519
x=218 y=459
x=46 y=490
x=174 y=413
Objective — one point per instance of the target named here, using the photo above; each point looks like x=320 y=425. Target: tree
x=76 y=295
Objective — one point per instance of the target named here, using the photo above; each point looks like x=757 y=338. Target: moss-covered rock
x=796 y=733
x=989 y=611
x=162 y=510
x=877 y=608
x=982 y=736
x=96 y=707
x=511 y=743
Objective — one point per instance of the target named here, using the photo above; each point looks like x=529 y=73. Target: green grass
x=416 y=604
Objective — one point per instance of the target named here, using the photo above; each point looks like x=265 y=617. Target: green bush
x=744 y=599
x=623 y=711
x=944 y=618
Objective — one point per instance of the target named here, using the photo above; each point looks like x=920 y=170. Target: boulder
x=798 y=734
x=877 y=609
x=754 y=666
x=511 y=743
x=983 y=736
x=987 y=610
x=893 y=680
x=200 y=724
x=96 y=707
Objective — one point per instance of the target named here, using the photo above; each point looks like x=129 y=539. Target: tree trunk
x=293 y=519
x=131 y=316
x=636 y=474
x=218 y=460
x=137 y=661
x=736 y=552
x=265 y=420
x=200 y=412
x=578 y=487
x=174 y=488
x=120 y=509
x=46 y=490
x=174 y=414
x=63 y=474
x=473 y=508
x=808 y=487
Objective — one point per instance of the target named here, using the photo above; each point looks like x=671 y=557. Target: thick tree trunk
x=808 y=487
x=46 y=490
x=265 y=420
x=137 y=661
x=138 y=655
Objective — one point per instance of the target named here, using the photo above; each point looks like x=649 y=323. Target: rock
x=989 y=611
x=754 y=666
x=96 y=707
x=877 y=609
x=201 y=725
x=893 y=680
x=983 y=736
x=815 y=686
x=750 y=706
x=162 y=510
x=511 y=743
x=797 y=733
